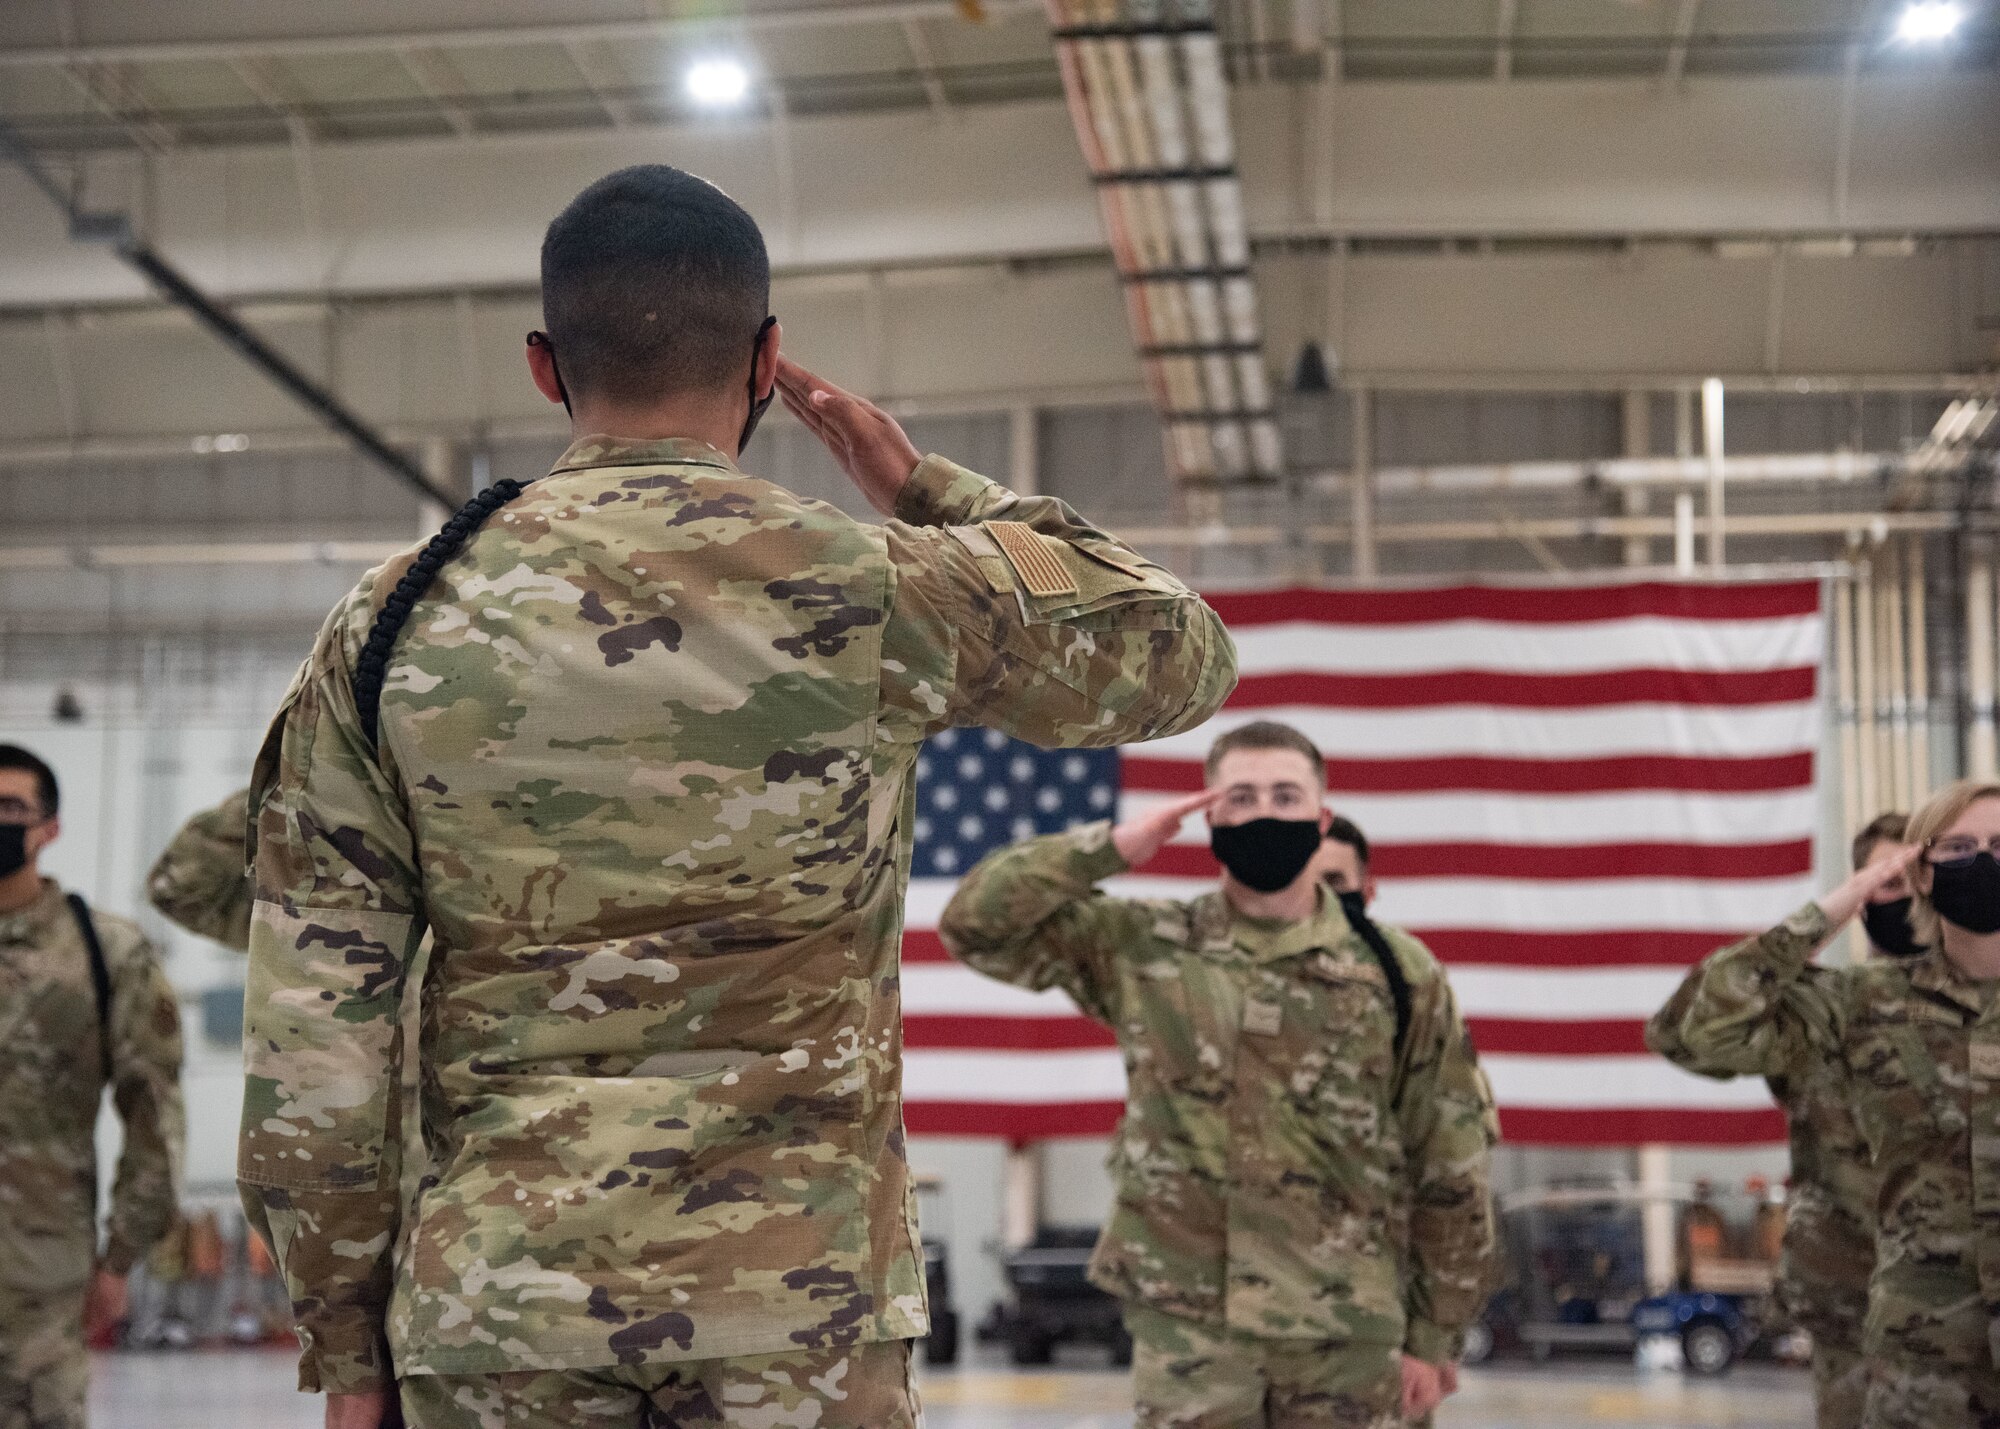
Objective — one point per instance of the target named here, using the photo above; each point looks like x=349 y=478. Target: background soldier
x=201 y=881
x=71 y=1019
x=1916 y=1039
x=643 y=763
x=1281 y=1128
x=1829 y=1245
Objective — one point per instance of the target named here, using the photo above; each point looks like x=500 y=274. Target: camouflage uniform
x=645 y=771
x=201 y=880
x=1918 y=1044
x=1287 y=1190
x=1829 y=1246
x=52 y=1077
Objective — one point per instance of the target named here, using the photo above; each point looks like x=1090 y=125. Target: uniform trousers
x=1840 y=1383
x=854 y=1387
x=1191 y=1375
x=44 y=1363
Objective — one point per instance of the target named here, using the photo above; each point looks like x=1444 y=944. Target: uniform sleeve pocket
x=320 y=1022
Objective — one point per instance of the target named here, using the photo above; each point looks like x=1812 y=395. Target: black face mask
x=1968 y=896
x=13 y=848
x=1889 y=929
x=758 y=405
x=1266 y=854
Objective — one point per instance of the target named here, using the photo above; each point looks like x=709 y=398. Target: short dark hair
x=47 y=794
x=654 y=282
x=1883 y=828
x=1265 y=734
x=1344 y=830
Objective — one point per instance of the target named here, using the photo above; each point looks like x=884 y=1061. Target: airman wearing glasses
x=73 y=1017
x=1917 y=1042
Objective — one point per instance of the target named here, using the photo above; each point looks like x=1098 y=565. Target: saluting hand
x=867 y=442
x=1140 y=839
x=1846 y=900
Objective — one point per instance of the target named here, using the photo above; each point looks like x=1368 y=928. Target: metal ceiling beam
x=927 y=67
x=1677 y=52
x=595 y=71
x=441 y=85
x=844 y=12
x=115 y=230
x=113 y=90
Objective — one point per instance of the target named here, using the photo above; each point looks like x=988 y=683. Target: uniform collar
x=1938 y=975
x=29 y=926
x=587 y=452
x=1270 y=940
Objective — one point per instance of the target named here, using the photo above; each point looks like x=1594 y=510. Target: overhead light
x=1928 y=21
x=717 y=83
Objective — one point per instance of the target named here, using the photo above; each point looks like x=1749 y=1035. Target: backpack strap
x=1392 y=971
x=371 y=667
x=100 y=973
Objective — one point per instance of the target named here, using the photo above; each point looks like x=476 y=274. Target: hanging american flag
x=1574 y=793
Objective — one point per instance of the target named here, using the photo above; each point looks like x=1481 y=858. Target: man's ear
x=1325 y=820
x=1367 y=889
x=542 y=368
x=767 y=360
x=53 y=830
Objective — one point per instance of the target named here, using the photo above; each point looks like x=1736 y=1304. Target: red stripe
x=973 y=1033
x=923 y=945
x=1650 y=947
x=1550 y=605
x=1683 y=773
x=1550 y=1038
x=1502 y=947
x=1494 y=687
x=1632 y=1126
x=1015 y=1123
x=1533 y=1037
x=1553 y=862
x=1527 y=1126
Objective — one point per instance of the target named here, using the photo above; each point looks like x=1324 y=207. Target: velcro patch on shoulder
x=1036 y=559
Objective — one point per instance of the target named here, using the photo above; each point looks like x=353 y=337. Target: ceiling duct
x=1150 y=101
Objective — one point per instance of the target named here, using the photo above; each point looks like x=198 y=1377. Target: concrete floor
x=225 y=1389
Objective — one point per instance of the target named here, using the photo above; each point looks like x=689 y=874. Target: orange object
x=261 y=1263
x=205 y=1257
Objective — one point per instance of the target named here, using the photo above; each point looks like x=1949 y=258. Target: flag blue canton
x=978 y=790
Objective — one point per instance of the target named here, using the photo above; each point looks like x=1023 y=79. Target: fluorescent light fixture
x=717 y=83
x=1928 y=21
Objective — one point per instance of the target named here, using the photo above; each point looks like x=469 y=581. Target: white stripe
x=1605 y=1083
x=1432 y=731
x=1589 y=904
x=952 y=989
x=1017 y=1078
x=1563 y=994
x=1561 y=1083
x=927 y=897
x=1635 y=643
x=1643 y=816
x=1527 y=904
x=1532 y=994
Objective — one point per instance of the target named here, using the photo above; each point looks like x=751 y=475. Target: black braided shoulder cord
x=371 y=668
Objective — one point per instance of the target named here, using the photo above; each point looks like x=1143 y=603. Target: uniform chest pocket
x=1346 y=1031
x=1913 y=1069
x=1174 y=1034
